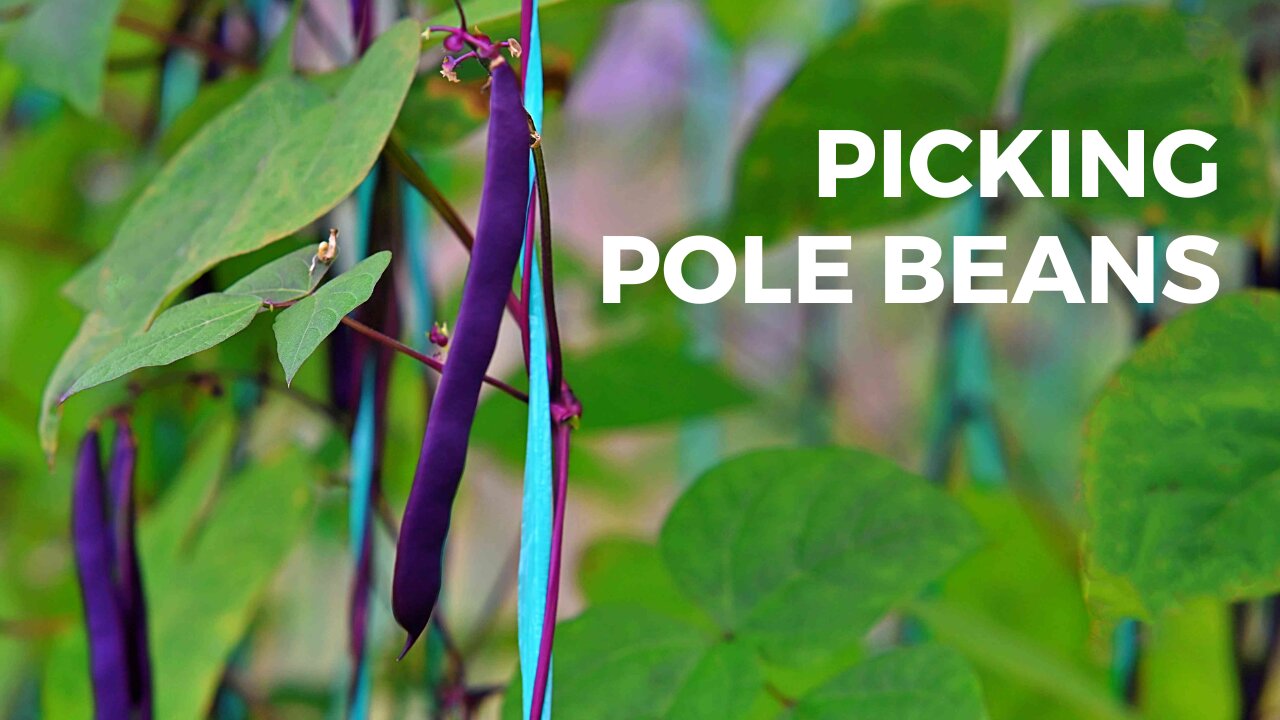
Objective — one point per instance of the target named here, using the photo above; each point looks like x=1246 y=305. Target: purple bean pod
x=499 y=233
x=362 y=23
x=110 y=588
x=133 y=602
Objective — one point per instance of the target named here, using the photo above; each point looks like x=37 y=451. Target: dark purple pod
x=499 y=233
x=91 y=532
x=133 y=603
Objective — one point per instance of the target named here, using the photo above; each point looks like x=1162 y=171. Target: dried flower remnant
x=327 y=252
x=439 y=335
x=115 y=611
x=482 y=48
x=499 y=235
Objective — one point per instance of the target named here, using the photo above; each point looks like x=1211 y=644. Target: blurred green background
x=665 y=118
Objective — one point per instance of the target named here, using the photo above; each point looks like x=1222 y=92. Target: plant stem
x=548 y=274
x=462 y=14
x=417 y=177
x=212 y=51
x=427 y=360
x=560 y=458
x=211 y=380
x=782 y=698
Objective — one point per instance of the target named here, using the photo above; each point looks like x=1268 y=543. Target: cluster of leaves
x=311 y=148
x=1110 y=69
x=768 y=573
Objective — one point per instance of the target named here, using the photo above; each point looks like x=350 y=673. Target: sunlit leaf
x=1174 y=689
x=1017 y=579
x=991 y=645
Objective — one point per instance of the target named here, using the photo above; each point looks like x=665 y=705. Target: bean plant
x=311 y=407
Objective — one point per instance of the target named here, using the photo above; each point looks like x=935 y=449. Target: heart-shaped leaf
x=800 y=551
x=1125 y=68
x=916 y=67
x=1182 y=462
x=632 y=664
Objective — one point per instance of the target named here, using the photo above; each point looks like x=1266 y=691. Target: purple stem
x=433 y=363
x=560 y=455
x=526 y=33
x=555 y=360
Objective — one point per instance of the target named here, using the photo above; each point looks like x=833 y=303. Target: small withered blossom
x=482 y=48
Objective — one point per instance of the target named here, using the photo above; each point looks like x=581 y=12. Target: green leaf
x=438 y=114
x=1206 y=689
x=40 y=192
x=629 y=571
x=181 y=331
x=799 y=21
x=1108 y=70
x=211 y=99
x=928 y=682
x=214 y=577
x=283 y=279
x=301 y=327
x=1182 y=462
x=209 y=551
x=279 y=59
x=618 y=386
x=273 y=162
x=62 y=47
x=628 y=663
x=800 y=552
x=493 y=15
x=1017 y=579
x=620 y=391
x=992 y=646
x=917 y=67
